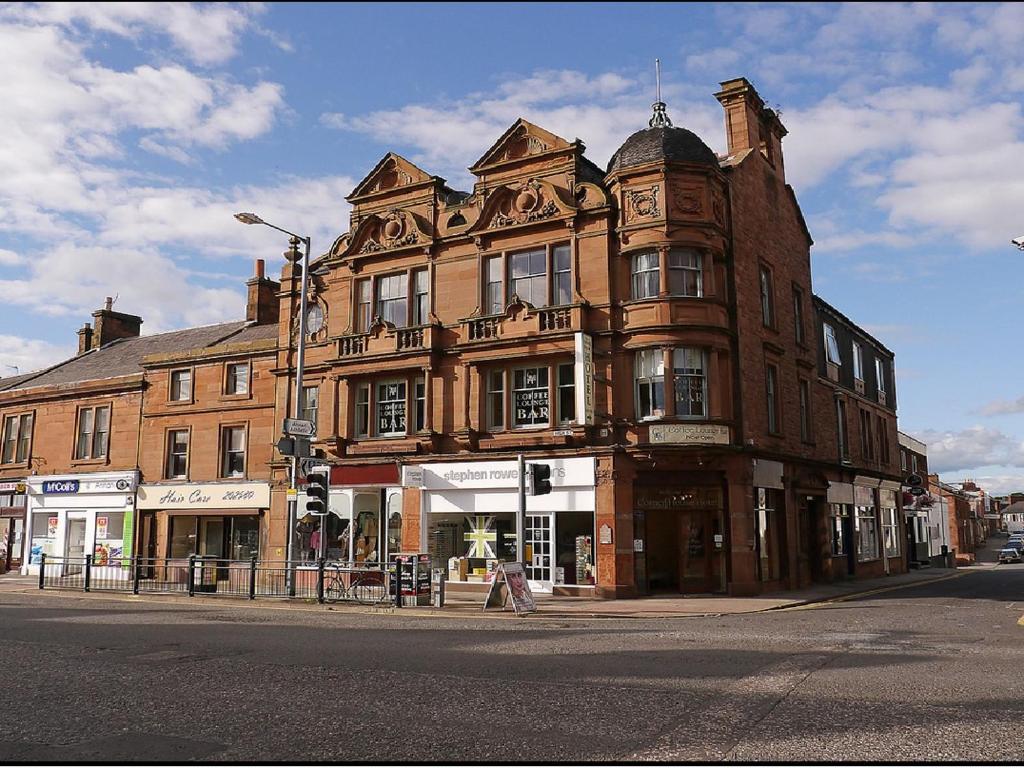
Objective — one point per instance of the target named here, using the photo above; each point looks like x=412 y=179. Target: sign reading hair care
x=584 y=370
x=205 y=496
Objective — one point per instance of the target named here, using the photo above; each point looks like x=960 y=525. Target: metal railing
x=197 y=575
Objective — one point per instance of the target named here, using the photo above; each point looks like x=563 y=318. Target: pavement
x=675 y=606
x=920 y=673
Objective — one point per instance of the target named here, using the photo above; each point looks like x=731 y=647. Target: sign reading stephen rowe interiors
x=205 y=496
x=690 y=434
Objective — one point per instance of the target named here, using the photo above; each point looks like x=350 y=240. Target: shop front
x=679 y=536
x=224 y=522
x=71 y=516
x=13 y=501
x=468 y=514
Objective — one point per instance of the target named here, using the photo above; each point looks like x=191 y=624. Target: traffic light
x=316 y=493
x=540 y=479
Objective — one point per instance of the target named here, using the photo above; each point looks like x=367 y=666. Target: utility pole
x=521 y=514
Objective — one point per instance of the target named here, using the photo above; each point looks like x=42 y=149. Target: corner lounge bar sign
x=205 y=496
x=690 y=434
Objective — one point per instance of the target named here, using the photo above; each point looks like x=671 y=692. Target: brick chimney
x=749 y=124
x=110 y=325
x=84 y=339
x=262 y=306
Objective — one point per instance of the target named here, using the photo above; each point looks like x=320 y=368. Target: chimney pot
x=108 y=304
x=260 y=268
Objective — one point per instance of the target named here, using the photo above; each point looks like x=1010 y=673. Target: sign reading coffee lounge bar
x=205 y=496
x=690 y=434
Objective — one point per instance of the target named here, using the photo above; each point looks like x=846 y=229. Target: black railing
x=197 y=575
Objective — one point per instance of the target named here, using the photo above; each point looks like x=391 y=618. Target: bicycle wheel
x=369 y=591
x=334 y=590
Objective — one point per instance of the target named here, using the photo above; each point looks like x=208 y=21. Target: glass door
x=539 y=551
x=75 y=549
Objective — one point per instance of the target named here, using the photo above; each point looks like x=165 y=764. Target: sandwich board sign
x=510 y=581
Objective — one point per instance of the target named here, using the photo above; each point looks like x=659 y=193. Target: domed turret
x=662 y=144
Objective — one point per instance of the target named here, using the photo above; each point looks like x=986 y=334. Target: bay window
x=683 y=268
x=688 y=383
x=689 y=372
x=646 y=275
x=650 y=384
x=684 y=272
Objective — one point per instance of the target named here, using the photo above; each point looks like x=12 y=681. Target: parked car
x=1010 y=554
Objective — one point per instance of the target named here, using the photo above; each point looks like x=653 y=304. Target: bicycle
x=367 y=588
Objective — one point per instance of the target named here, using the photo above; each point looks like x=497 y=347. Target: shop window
x=566 y=393
x=689 y=370
x=768 y=513
x=837 y=512
x=469 y=546
x=771 y=382
x=650 y=383
x=394 y=526
x=420 y=297
x=646 y=275
x=181 y=385
x=243 y=537
x=237 y=379
x=110 y=548
x=390 y=408
x=528 y=277
x=233 y=452
x=44 y=535
x=363 y=305
x=867 y=533
x=16 y=439
x=366 y=523
x=891 y=531
x=767 y=297
x=182 y=534
x=531 y=406
x=420 y=397
x=685 y=277
x=362 y=415
x=93 y=433
x=574 y=548
x=496 y=400
x=177 y=454
x=311 y=405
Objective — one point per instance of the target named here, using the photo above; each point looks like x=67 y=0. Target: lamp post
x=300 y=364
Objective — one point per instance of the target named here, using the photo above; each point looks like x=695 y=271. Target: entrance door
x=682 y=553
x=539 y=550
x=74 y=550
x=697 y=552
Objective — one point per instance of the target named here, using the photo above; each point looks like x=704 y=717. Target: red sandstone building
x=648 y=329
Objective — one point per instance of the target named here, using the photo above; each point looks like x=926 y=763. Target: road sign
x=312 y=464
x=294 y=446
x=913 y=480
x=299 y=428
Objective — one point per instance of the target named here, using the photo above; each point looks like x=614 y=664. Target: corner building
x=647 y=329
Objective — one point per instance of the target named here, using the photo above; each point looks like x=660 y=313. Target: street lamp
x=300 y=365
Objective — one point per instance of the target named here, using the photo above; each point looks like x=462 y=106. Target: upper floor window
x=880 y=373
x=541 y=277
x=689 y=372
x=391 y=408
x=767 y=297
x=771 y=378
x=913 y=463
x=363 y=305
x=17 y=436
x=903 y=460
x=832 y=345
x=566 y=393
x=181 y=385
x=685 y=277
x=496 y=400
x=237 y=379
x=176 y=466
x=646 y=275
x=233 y=452
x=650 y=383
x=842 y=434
x=531 y=400
x=311 y=404
x=388 y=402
x=867 y=443
x=93 y=432
x=805 y=410
x=392 y=299
x=400 y=299
x=858 y=362
x=420 y=297
x=798 y=315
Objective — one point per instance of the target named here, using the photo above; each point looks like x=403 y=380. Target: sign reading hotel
x=690 y=434
x=584 y=371
x=206 y=496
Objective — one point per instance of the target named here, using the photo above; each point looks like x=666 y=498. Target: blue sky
x=134 y=131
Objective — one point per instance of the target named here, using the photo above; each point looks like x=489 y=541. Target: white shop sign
x=690 y=434
x=496 y=475
x=205 y=496
x=584 y=371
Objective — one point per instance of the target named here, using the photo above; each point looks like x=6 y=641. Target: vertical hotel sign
x=584 y=379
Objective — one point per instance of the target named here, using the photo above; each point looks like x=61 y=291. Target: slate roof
x=123 y=357
x=654 y=145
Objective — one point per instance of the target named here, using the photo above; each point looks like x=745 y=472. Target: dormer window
x=832 y=346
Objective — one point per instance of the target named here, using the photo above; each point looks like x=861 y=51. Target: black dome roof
x=652 y=145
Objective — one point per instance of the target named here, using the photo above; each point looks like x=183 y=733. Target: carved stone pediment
x=522 y=139
x=532 y=201
x=392 y=172
x=395 y=230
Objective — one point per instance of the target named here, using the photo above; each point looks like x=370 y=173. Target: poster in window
x=51 y=527
x=482 y=537
x=532 y=407
x=101 y=527
x=391 y=417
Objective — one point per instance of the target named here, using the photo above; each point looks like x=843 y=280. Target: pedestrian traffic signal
x=316 y=494
x=540 y=479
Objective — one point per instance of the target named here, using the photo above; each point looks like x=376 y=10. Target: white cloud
x=1003 y=407
x=971 y=448
x=19 y=355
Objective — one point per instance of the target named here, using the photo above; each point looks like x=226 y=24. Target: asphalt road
x=931 y=672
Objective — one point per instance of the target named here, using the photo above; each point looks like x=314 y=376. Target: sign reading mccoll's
x=61 y=486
